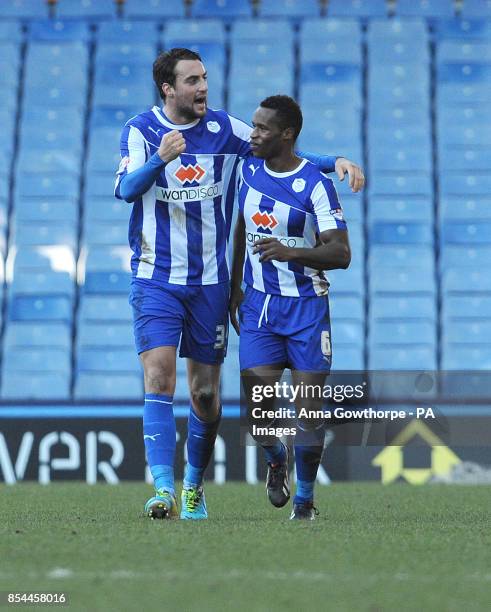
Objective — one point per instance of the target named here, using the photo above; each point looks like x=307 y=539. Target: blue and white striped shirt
x=293 y=207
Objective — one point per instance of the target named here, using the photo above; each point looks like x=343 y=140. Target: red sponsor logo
x=264 y=219
x=189 y=173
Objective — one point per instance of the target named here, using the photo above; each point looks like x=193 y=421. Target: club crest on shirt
x=213 y=126
x=298 y=185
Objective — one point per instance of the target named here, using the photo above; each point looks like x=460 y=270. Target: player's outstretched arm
x=340 y=165
x=137 y=182
x=332 y=252
x=236 y=293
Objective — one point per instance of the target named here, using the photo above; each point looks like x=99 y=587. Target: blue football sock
x=275 y=453
x=200 y=445
x=159 y=436
x=308 y=453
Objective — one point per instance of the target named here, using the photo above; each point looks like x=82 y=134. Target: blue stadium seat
x=466 y=114
x=98 y=309
x=85 y=9
x=402 y=332
x=37 y=359
x=105 y=209
x=42 y=56
x=51 y=97
x=99 y=184
x=38 y=258
x=415 y=184
x=401 y=209
x=357 y=8
x=467 y=332
x=418 y=358
x=458 y=357
x=465 y=280
x=262 y=29
x=107 y=233
x=10 y=53
x=113 y=117
x=102 y=359
x=318 y=113
x=462 y=255
x=120 y=74
x=10 y=76
x=42 y=386
x=466 y=307
x=348 y=331
x=36 y=233
x=107 y=386
x=477 y=8
x=409 y=30
x=390 y=256
x=452 y=208
x=24 y=9
x=469 y=158
x=121 y=30
x=346 y=306
x=383 y=76
x=59 y=31
x=54 y=335
x=462 y=29
x=66 y=157
x=350 y=281
x=258 y=52
x=465 y=135
x=110 y=282
x=10 y=32
x=46 y=308
x=395 y=139
x=401 y=233
x=154 y=9
x=51 y=209
x=221 y=8
x=339 y=50
x=65 y=118
x=403 y=308
x=425 y=8
x=115 y=258
x=455 y=51
x=101 y=335
x=289 y=8
x=401 y=115
x=107 y=94
x=346 y=357
x=452 y=183
x=403 y=159
x=125 y=52
x=42 y=282
x=468 y=73
x=101 y=158
x=403 y=280
x=330 y=29
x=194 y=31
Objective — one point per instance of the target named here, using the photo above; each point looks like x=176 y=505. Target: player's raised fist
x=171 y=146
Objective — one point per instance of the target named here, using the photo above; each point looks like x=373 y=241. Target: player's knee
x=159 y=381
x=205 y=400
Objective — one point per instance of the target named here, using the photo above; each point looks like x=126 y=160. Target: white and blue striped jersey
x=293 y=207
x=179 y=229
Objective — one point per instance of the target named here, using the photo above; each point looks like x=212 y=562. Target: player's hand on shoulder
x=236 y=297
x=171 y=146
x=355 y=173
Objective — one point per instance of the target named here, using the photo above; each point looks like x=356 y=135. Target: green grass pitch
x=372 y=548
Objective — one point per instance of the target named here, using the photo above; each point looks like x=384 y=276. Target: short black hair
x=287 y=110
x=165 y=64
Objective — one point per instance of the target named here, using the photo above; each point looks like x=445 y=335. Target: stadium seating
x=410 y=91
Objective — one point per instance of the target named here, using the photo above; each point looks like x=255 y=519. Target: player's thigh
x=205 y=329
x=158 y=314
x=159 y=370
x=309 y=345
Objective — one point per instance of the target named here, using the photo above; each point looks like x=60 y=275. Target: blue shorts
x=290 y=331
x=195 y=315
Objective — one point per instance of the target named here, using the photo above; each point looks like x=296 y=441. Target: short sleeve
x=326 y=207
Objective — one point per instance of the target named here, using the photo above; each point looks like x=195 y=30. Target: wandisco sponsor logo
x=289 y=241
x=189 y=194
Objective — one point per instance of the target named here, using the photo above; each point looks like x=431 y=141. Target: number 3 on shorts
x=326 y=343
x=220 y=339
